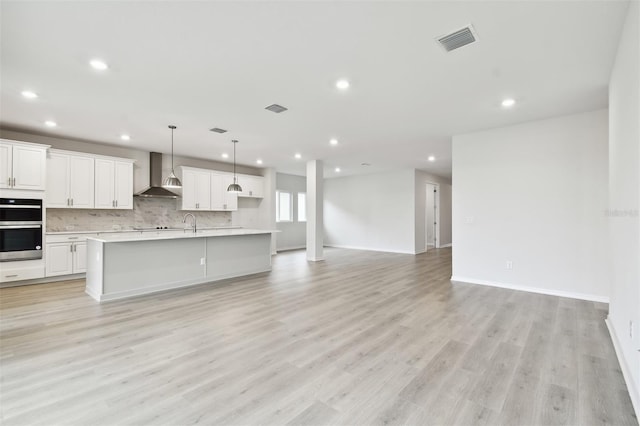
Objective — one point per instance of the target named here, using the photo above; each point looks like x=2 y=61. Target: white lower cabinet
x=59 y=259
x=21 y=270
x=66 y=254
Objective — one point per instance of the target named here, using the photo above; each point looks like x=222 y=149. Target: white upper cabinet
x=113 y=184
x=123 y=185
x=70 y=181
x=196 y=189
x=22 y=165
x=221 y=200
x=252 y=186
x=204 y=189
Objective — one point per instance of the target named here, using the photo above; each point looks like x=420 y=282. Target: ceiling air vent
x=276 y=108
x=218 y=130
x=458 y=38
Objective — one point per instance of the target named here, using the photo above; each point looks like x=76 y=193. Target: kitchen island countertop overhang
x=122 y=266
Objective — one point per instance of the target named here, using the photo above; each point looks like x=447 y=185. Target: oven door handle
x=20 y=223
x=20 y=226
x=19 y=206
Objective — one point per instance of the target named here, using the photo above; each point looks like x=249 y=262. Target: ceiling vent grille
x=276 y=108
x=458 y=38
x=218 y=130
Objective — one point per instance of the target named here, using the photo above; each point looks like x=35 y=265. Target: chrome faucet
x=193 y=224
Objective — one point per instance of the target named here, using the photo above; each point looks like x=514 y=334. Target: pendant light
x=172 y=180
x=234 y=187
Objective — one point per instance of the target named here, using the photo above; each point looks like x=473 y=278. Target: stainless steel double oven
x=20 y=229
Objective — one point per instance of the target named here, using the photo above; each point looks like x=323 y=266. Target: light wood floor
x=361 y=338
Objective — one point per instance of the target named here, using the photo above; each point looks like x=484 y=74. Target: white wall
x=421 y=180
x=533 y=194
x=624 y=202
x=292 y=235
x=371 y=212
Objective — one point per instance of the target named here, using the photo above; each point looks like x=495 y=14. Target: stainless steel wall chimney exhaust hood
x=155 y=179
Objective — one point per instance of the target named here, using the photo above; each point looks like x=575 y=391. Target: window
x=284 y=207
x=302 y=207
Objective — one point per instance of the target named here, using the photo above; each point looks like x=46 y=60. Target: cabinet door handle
x=116 y=203
x=68 y=203
x=113 y=203
x=71 y=248
x=72 y=202
x=11 y=276
x=9 y=182
x=14 y=182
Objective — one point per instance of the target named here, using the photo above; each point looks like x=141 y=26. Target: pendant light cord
x=234 y=161
x=172 y=129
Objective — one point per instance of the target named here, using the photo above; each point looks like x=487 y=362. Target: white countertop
x=119 y=238
x=113 y=231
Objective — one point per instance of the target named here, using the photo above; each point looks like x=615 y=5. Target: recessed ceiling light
x=298 y=155
x=333 y=141
x=98 y=64
x=337 y=169
x=125 y=137
x=431 y=158
x=258 y=161
x=50 y=123
x=29 y=94
x=342 y=84
x=508 y=103
x=225 y=155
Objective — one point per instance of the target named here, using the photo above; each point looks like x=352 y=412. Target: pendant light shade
x=172 y=180
x=234 y=187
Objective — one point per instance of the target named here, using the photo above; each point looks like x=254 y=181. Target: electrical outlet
x=202 y=260
x=469 y=219
x=509 y=264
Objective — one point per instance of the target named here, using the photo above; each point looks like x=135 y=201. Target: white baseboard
x=384 y=250
x=291 y=248
x=44 y=280
x=445 y=245
x=550 y=292
x=634 y=393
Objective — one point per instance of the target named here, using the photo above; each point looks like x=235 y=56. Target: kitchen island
x=122 y=266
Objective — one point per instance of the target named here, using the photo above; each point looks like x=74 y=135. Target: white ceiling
x=203 y=64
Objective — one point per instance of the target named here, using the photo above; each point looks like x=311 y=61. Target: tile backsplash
x=146 y=213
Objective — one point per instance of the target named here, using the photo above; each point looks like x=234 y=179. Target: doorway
x=432 y=216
